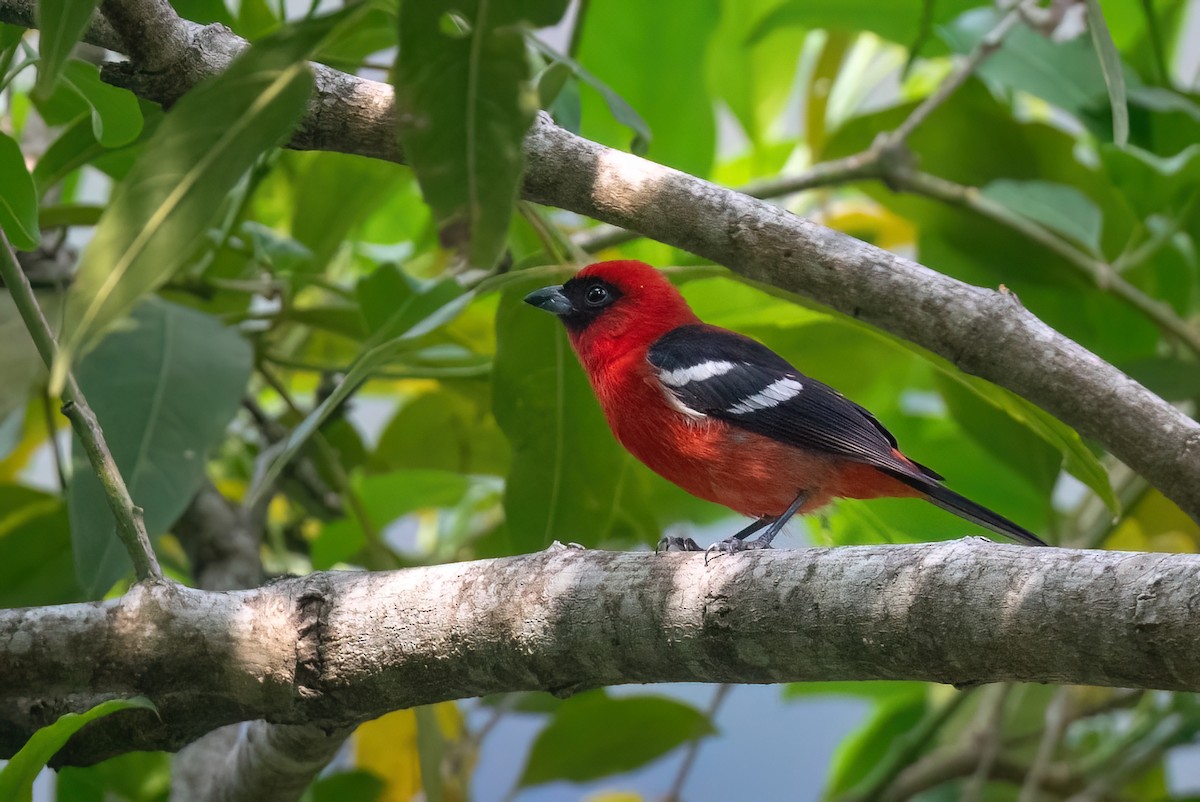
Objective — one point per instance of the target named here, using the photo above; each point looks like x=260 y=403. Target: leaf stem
x=130 y=526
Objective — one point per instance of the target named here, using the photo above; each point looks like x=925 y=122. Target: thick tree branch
x=332 y=649
x=982 y=332
x=259 y=762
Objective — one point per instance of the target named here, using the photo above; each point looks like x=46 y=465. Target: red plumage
x=766 y=433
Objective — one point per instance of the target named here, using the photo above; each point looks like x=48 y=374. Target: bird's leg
x=739 y=543
x=687 y=544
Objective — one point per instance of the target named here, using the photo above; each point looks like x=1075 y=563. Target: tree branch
x=130 y=526
x=982 y=332
x=332 y=649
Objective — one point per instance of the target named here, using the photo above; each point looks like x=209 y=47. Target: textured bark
x=332 y=649
x=983 y=332
x=253 y=761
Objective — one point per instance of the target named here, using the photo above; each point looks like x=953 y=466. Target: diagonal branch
x=130 y=526
x=332 y=649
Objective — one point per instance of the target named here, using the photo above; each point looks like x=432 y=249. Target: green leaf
x=1172 y=377
x=1058 y=207
x=1064 y=74
x=163 y=389
x=897 y=20
x=384 y=499
x=621 y=111
x=358 y=786
x=754 y=78
x=466 y=102
x=334 y=194
x=394 y=331
x=18 y=201
x=35 y=550
x=671 y=35
x=893 y=718
x=1078 y=459
x=116 y=116
x=74 y=147
x=592 y=735
x=16 y=779
x=1152 y=184
x=449 y=428
x=161 y=211
x=1114 y=74
x=61 y=24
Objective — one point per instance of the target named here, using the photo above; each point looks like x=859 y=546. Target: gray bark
x=333 y=649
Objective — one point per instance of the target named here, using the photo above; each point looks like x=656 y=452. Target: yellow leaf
x=871 y=223
x=387 y=747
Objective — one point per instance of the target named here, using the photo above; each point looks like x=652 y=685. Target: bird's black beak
x=551 y=299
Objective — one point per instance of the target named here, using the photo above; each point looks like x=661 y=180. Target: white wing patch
x=774 y=394
x=695 y=373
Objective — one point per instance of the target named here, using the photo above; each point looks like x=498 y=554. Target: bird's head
x=623 y=304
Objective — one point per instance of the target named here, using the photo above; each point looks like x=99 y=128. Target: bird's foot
x=730 y=545
x=675 y=543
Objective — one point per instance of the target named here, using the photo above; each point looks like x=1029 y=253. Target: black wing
x=721 y=374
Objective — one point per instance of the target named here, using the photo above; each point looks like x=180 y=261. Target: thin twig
x=988 y=737
x=55 y=448
x=693 y=748
x=130 y=526
x=1057 y=720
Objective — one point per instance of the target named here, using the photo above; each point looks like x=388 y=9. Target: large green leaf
x=593 y=735
x=570 y=480
x=1066 y=74
x=673 y=36
x=1058 y=207
x=334 y=194
x=465 y=98
x=16 y=779
x=159 y=213
x=18 y=201
x=61 y=23
x=163 y=389
x=116 y=116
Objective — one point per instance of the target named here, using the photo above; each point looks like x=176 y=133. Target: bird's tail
x=963 y=507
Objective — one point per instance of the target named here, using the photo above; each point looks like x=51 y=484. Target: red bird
x=725 y=417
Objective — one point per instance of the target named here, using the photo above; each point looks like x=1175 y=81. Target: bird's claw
x=731 y=545
x=667 y=543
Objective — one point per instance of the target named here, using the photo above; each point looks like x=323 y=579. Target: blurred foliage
x=304 y=330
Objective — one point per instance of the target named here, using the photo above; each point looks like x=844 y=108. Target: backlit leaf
x=18 y=201
x=61 y=24
x=16 y=779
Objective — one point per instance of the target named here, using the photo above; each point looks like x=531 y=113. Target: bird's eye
x=596 y=295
